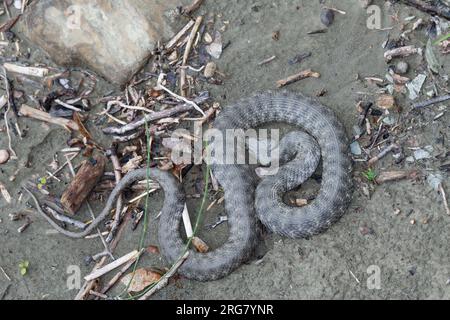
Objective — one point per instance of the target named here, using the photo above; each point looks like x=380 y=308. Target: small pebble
x=4 y=156
x=401 y=67
x=210 y=70
x=208 y=39
x=356 y=148
x=327 y=17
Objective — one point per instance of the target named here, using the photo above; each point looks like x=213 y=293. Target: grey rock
x=113 y=38
x=401 y=67
x=327 y=17
x=356 y=148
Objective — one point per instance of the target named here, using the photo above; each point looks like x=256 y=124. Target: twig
x=431 y=102
x=98 y=294
x=266 y=61
x=157 y=116
x=444 y=198
x=189 y=102
x=187 y=51
x=115 y=264
x=401 y=52
x=383 y=153
x=8 y=97
x=394 y=176
x=68 y=106
x=110 y=104
x=297 y=77
x=28 y=71
x=164 y=281
x=44 y=116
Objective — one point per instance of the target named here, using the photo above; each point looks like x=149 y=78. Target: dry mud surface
x=413 y=259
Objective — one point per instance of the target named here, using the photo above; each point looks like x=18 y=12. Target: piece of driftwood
x=83 y=183
x=437 y=8
x=430 y=102
x=172 y=43
x=389 y=176
x=297 y=77
x=401 y=52
x=115 y=264
x=30 y=112
x=187 y=51
x=28 y=71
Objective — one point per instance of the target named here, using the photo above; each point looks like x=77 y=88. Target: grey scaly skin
x=300 y=154
x=240 y=185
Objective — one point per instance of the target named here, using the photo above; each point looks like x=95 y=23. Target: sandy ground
x=413 y=259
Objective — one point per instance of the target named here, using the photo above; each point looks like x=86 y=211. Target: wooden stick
x=28 y=71
x=115 y=264
x=401 y=52
x=84 y=182
x=431 y=102
x=389 y=176
x=119 y=275
x=297 y=77
x=172 y=43
x=266 y=61
x=198 y=243
x=383 y=153
x=444 y=198
x=189 y=44
x=156 y=116
x=192 y=7
x=30 y=112
x=439 y=8
x=89 y=285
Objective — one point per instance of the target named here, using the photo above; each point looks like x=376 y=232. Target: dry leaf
x=142 y=279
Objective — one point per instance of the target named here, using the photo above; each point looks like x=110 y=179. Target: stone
x=4 y=156
x=327 y=17
x=210 y=70
x=401 y=67
x=112 y=38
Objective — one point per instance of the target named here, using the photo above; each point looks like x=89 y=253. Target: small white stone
x=207 y=37
x=4 y=156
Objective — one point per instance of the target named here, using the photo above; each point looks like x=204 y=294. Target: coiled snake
x=246 y=201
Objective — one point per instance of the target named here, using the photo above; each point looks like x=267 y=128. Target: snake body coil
x=239 y=184
x=245 y=199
